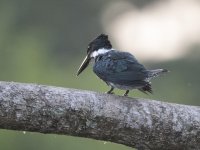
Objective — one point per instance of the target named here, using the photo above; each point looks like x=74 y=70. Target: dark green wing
x=120 y=68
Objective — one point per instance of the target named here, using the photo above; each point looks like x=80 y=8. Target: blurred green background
x=45 y=41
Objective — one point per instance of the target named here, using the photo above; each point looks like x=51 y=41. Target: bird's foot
x=109 y=92
x=126 y=93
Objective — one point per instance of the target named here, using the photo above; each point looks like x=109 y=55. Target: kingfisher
x=118 y=69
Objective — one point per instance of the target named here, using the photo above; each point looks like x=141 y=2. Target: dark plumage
x=118 y=69
x=100 y=42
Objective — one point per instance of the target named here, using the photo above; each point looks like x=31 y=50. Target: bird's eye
x=88 y=49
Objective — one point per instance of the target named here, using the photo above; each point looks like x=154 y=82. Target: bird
x=118 y=69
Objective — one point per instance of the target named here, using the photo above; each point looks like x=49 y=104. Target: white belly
x=123 y=87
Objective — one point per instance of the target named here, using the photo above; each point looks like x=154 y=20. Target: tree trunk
x=135 y=122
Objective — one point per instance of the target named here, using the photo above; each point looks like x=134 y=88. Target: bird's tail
x=156 y=72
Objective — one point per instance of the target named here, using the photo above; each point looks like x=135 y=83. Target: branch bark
x=135 y=122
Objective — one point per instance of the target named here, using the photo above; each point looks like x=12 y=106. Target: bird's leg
x=126 y=93
x=110 y=91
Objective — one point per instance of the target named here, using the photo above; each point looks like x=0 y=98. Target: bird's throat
x=100 y=51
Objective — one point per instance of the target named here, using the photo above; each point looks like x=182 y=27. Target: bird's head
x=99 y=45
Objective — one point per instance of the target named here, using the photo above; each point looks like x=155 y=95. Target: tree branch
x=135 y=122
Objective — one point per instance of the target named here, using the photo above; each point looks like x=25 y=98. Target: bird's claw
x=109 y=92
x=125 y=95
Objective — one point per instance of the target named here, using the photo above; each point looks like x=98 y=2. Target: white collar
x=99 y=52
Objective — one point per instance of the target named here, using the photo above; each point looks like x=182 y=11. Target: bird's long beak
x=84 y=64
